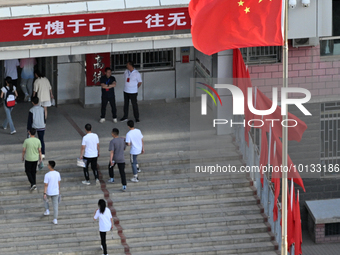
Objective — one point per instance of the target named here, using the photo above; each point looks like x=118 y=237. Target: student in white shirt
x=52 y=190
x=134 y=138
x=133 y=81
x=104 y=216
x=11 y=69
x=43 y=89
x=90 y=152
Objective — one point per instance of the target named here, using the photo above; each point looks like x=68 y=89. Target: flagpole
x=284 y=244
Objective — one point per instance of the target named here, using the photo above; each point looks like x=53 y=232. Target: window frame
x=140 y=57
x=267 y=55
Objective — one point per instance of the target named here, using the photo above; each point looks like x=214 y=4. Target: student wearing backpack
x=9 y=94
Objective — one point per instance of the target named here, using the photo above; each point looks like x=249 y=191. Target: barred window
x=144 y=60
x=330 y=133
x=262 y=55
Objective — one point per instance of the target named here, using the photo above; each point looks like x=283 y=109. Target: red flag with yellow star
x=219 y=25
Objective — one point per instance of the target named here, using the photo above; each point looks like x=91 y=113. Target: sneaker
x=29 y=99
x=55 y=222
x=134 y=179
x=26 y=97
x=102 y=120
x=43 y=156
x=86 y=182
x=47 y=212
x=13 y=132
x=123 y=119
x=115 y=120
x=137 y=120
x=97 y=182
x=101 y=247
x=124 y=188
x=139 y=170
x=34 y=187
x=111 y=180
x=4 y=128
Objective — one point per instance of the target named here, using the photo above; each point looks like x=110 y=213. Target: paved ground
x=157 y=119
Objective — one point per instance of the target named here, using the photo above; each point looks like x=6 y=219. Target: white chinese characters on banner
x=96 y=77
x=157 y=20
x=177 y=19
x=97 y=65
x=32 y=29
x=57 y=27
x=97 y=22
x=154 y=21
x=76 y=24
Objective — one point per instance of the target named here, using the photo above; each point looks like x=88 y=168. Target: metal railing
x=330 y=135
x=262 y=55
x=144 y=60
x=251 y=155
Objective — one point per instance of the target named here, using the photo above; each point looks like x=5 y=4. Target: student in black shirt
x=108 y=83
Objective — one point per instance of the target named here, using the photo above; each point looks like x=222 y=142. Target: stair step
x=200 y=247
x=193 y=223
x=173 y=209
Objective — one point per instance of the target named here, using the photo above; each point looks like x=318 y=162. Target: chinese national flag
x=292 y=172
x=294 y=133
x=241 y=79
x=219 y=25
x=297 y=226
x=290 y=218
x=275 y=177
x=277 y=185
x=264 y=152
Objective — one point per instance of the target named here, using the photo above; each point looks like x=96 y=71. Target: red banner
x=95 y=67
x=95 y=24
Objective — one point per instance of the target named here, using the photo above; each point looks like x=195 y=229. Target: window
x=262 y=55
x=144 y=60
x=331 y=45
x=330 y=133
x=332 y=229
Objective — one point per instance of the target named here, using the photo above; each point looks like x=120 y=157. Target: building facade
x=68 y=39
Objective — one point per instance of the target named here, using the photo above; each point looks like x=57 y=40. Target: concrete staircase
x=172 y=210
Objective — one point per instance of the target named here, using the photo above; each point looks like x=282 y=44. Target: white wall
x=184 y=72
x=157 y=85
x=312 y=21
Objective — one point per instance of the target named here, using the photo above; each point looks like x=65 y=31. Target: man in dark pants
x=37 y=120
x=31 y=153
x=108 y=83
x=133 y=81
x=90 y=152
x=116 y=148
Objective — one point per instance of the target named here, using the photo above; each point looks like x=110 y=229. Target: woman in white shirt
x=105 y=222
x=42 y=89
x=8 y=87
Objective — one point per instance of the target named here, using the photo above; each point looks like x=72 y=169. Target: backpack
x=10 y=98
